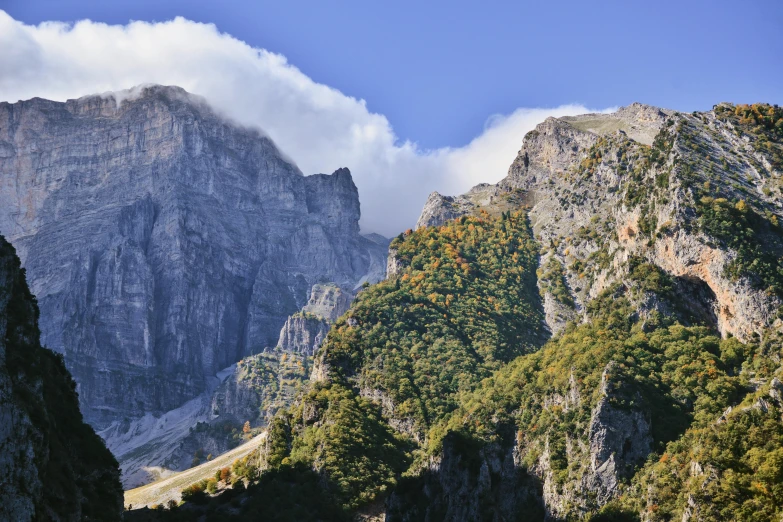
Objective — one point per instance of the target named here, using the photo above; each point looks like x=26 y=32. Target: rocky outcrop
x=619 y=439
x=438 y=208
x=557 y=313
x=53 y=465
x=165 y=243
x=328 y=302
x=393 y=265
x=602 y=188
x=303 y=334
x=258 y=387
x=471 y=479
x=304 y=331
x=468 y=481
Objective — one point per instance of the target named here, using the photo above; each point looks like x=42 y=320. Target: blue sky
x=412 y=97
x=437 y=70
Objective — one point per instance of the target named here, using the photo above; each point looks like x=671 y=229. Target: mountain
x=165 y=243
x=659 y=235
x=304 y=332
x=596 y=337
x=651 y=183
x=53 y=465
x=646 y=244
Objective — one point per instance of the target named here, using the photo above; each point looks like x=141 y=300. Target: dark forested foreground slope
x=648 y=244
x=52 y=465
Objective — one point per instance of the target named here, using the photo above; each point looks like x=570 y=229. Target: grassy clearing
x=171 y=487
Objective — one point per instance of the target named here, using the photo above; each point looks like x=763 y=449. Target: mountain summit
x=698 y=195
x=165 y=243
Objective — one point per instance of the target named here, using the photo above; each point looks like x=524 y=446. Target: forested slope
x=52 y=465
x=648 y=255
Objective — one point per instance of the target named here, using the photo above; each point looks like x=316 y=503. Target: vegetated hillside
x=53 y=465
x=570 y=425
x=464 y=304
x=663 y=236
x=656 y=250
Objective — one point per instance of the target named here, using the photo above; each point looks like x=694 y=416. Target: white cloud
x=316 y=125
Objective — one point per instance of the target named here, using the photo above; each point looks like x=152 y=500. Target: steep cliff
x=53 y=465
x=304 y=331
x=252 y=390
x=165 y=243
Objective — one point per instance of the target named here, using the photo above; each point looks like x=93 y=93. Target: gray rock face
x=438 y=208
x=328 y=302
x=304 y=331
x=53 y=466
x=253 y=390
x=164 y=243
x=303 y=334
x=468 y=483
x=619 y=439
x=595 y=199
x=393 y=265
x=557 y=314
x=258 y=387
x=19 y=439
x=148 y=447
x=472 y=480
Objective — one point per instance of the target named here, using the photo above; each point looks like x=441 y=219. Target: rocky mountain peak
x=643 y=182
x=139 y=98
x=638 y=121
x=164 y=242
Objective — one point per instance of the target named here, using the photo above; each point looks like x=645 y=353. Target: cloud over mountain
x=318 y=126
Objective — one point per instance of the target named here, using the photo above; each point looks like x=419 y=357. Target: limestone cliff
x=304 y=331
x=165 y=243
